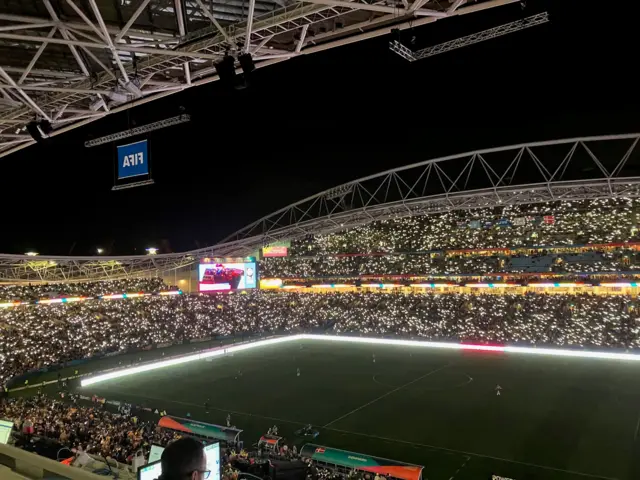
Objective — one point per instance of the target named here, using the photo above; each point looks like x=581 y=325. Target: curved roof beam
x=526 y=173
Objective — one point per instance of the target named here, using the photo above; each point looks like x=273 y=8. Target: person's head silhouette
x=184 y=459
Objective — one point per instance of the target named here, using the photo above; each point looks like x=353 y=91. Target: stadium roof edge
x=522 y=151
x=443 y=159
x=418 y=189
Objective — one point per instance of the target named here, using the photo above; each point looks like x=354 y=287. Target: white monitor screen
x=5 y=431
x=213 y=460
x=150 y=472
x=155 y=453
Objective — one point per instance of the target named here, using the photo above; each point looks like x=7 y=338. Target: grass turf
x=557 y=418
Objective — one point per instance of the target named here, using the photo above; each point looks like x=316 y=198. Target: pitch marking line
x=466 y=459
x=472 y=454
x=385 y=395
x=635 y=436
x=463 y=384
x=224 y=410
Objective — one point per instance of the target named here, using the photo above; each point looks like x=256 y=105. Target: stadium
x=464 y=317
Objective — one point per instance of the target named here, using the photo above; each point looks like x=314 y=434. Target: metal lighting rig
x=132 y=132
x=499 y=31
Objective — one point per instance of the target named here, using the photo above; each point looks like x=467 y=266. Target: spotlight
x=226 y=70
x=132 y=87
x=117 y=97
x=97 y=105
x=39 y=130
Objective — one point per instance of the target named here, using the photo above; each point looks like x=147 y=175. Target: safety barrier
x=19 y=464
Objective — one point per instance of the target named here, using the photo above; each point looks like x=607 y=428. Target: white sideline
x=366 y=340
x=184 y=359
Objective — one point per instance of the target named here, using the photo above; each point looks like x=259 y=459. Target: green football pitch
x=556 y=418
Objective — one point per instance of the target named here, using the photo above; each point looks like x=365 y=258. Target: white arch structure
x=585 y=168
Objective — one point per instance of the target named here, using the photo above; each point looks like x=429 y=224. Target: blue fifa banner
x=133 y=160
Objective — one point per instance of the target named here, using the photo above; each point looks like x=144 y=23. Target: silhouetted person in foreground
x=184 y=459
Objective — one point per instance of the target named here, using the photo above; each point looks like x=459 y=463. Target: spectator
x=184 y=459
x=87 y=289
x=36 y=336
x=87 y=429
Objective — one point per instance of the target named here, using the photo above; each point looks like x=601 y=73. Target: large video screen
x=226 y=276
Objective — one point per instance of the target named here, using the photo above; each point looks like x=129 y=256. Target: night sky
x=316 y=121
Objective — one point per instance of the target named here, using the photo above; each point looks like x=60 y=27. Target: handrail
x=34 y=466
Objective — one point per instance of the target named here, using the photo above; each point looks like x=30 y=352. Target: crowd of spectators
x=36 y=336
x=322 y=473
x=553 y=223
x=336 y=266
x=92 y=429
x=391 y=264
x=25 y=292
x=431 y=244
x=89 y=429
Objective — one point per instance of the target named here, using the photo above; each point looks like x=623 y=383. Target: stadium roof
x=72 y=62
x=562 y=170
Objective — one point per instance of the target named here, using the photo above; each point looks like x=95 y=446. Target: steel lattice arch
x=574 y=169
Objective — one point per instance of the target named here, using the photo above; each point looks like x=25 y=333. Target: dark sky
x=313 y=122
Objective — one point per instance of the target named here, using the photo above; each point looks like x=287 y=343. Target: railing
x=19 y=464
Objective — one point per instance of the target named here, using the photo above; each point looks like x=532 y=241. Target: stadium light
x=117 y=97
x=97 y=105
x=222 y=351
x=152 y=251
x=132 y=87
x=100 y=251
x=31 y=254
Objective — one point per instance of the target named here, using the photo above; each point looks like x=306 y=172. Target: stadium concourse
x=565 y=276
